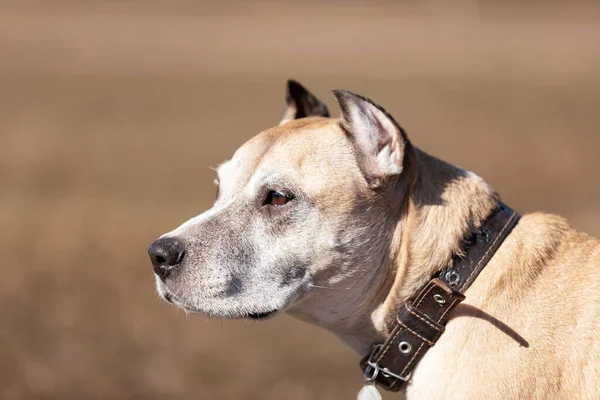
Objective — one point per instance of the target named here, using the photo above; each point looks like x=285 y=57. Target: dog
x=339 y=221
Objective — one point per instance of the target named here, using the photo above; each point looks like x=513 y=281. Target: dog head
x=302 y=219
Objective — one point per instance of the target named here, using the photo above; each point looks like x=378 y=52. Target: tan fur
x=528 y=327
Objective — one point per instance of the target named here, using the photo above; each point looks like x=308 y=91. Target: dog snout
x=166 y=255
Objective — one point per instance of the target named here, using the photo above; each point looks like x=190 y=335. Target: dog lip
x=261 y=316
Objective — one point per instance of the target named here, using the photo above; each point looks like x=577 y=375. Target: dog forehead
x=287 y=146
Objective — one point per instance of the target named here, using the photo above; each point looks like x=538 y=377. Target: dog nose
x=166 y=254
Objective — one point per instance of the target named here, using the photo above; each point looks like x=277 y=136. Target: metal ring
x=404 y=347
x=452 y=277
x=371 y=377
x=439 y=298
x=484 y=236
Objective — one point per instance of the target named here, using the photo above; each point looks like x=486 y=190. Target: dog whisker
x=321 y=287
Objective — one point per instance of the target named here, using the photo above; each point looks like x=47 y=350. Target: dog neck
x=445 y=204
x=441 y=204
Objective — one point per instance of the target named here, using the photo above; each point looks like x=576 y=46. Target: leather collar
x=422 y=320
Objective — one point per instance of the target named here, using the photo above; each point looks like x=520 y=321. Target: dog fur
x=369 y=219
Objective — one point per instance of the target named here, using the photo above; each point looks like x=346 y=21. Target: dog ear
x=379 y=140
x=301 y=103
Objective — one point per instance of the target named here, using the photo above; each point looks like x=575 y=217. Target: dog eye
x=276 y=198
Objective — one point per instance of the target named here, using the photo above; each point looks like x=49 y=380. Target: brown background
x=112 y=112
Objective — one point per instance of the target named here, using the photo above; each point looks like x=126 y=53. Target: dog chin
x=215 y=313
x=254 y=315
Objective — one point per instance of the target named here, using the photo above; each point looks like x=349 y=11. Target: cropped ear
x=379 y=140
x=301 y=103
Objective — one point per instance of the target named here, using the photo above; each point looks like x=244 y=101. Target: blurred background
x=112 y=112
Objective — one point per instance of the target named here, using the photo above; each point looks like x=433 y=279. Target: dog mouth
x=168 y=297
x=261 y=316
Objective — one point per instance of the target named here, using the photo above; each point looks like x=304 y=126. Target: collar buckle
x=372 y=369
